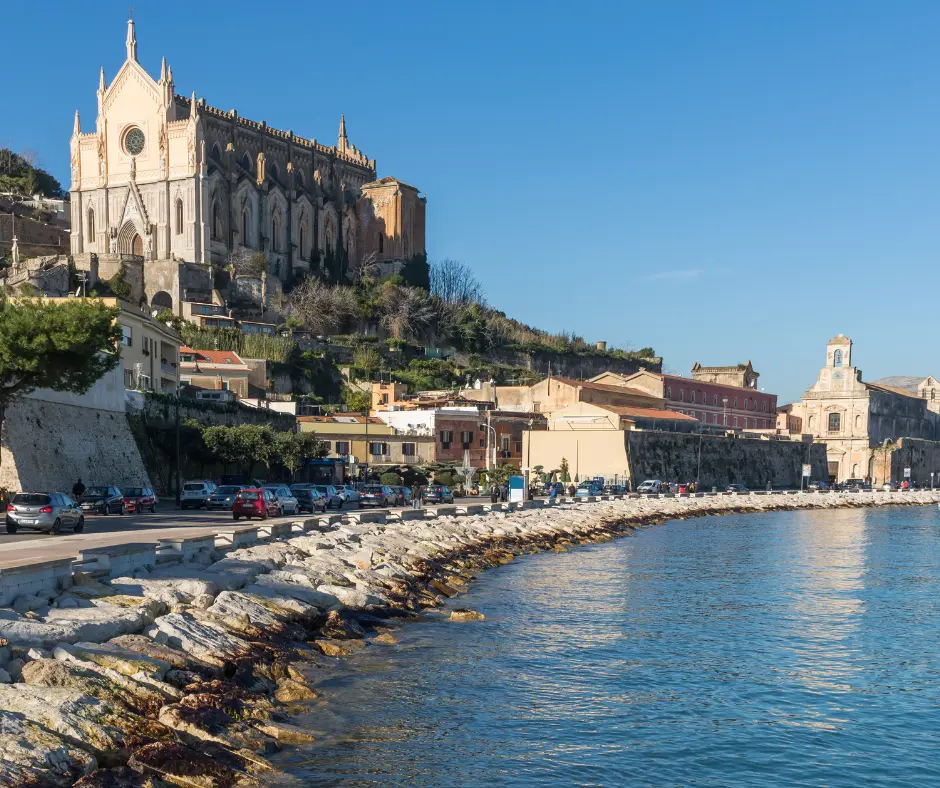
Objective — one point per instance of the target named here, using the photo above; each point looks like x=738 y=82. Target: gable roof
x=907 y=382
x=646 y=413
x=587 y=384
x=228 y=359
x=893 y=390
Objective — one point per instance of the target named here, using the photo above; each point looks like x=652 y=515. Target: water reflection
x=792 y=648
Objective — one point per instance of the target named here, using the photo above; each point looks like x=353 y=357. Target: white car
x=286 y=502
x=650 y=486
x=195 y=494
x=348 y=493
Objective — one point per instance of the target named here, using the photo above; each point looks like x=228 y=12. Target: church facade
x=172 y=181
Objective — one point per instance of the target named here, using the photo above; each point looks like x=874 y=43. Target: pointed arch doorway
x=130 y=240
x=137 y=245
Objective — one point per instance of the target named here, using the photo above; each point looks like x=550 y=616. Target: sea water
x=792 y=648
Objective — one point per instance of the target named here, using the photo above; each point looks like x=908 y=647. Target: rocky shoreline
x=191 y=675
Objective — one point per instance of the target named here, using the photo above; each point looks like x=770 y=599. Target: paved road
x=123 y=529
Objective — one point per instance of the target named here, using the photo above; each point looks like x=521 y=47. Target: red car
x=255 y=502
x=139 y=499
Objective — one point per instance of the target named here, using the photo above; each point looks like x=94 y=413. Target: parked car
x=817 y=486
x=348 y=493
x=40 y=511
x=378 y=495
x=437 y=493
x=308 y=499
x=403 y=496
x=224 y=497
x=141 y=499
x=287 y=503
x=615 y=489
x=650 y=486
x=101 y=500
x=195 y=494
x=735 y=488
x=587 y=489
x=255 y=502
x=855 y=484
x=331 y=494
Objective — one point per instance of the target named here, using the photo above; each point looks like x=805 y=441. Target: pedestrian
x=494 y=493
x=503 y=493
x=415 y=496
x=78 y=488
x=553 y=493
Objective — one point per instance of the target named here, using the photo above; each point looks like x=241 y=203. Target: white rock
x=38 y=653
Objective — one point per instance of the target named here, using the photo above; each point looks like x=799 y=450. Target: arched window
x=246 y=226
x=715 y=399
x=668 y=392
x=692 y=397
x=735 y=402
x=217 y=231
x=381 y=243
x=275 y=233
x=302 y=238
x=837 y=358
x=91 y=225
x=858 y=422
x=246 y=162
x=933 y=392
x=812 y=423
x=681 y=395
x=300 y=178
x=179 y=216
x=216 y=154
x=765 y=407
x=274 y=173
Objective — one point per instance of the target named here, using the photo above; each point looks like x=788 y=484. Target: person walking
x=415 y=496
x=78 y=488
x=494 y=493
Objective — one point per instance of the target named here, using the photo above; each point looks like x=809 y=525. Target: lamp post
x=490 y=456
x=177 y=442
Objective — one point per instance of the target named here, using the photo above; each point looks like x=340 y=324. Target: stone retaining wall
x=675 y=457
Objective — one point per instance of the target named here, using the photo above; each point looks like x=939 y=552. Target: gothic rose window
x=134 y=141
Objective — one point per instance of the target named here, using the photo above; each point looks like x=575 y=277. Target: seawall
x=718 y=461
x=193 y=658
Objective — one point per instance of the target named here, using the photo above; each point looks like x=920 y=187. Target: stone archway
x=129 y=240
x=162 y=300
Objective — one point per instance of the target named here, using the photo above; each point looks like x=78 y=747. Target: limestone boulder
x=95 y=624
x=168 y=590
x=207 y=642
x=31 y=756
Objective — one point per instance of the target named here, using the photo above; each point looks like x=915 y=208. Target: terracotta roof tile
x=225 y=358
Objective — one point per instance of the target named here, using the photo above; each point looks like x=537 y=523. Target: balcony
x=168 y=369
x=380 y=459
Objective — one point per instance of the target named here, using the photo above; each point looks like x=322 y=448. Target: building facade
x=214 y=370
x=856 y=419
x=169 y=178
x=713 y=403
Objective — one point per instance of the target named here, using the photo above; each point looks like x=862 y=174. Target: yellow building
x=149 y=348
x=355 y=438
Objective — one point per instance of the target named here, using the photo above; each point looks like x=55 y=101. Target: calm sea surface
x=795 y=648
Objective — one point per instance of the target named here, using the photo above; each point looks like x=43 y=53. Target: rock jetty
x=190 y=675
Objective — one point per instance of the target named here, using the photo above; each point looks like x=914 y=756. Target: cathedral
x=177 y=186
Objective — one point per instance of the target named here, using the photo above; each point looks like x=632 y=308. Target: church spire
x=77 y=129
x=193 y=106
x=163 y=77
x=102 y=86
x=131 y=40
x=343 y=142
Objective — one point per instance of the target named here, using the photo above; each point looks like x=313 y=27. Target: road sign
x=516 y=488
x=807 y=471
x=907 y=473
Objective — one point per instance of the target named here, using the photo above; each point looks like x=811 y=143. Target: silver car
x=331 y=494
x=40 y=511
x=348 y=493
x=286 y=502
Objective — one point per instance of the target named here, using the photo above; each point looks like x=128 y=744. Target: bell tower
x=839 y=352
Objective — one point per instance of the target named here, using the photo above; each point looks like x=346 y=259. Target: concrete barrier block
x=34 y=579
x=470 y=508
x=367 y=516
x=449 y=510
x=243 y=536
x=401 y=515
x=121 y=560
x=274 y=530
x=189 y=548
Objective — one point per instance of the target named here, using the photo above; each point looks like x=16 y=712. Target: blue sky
x=720 y=180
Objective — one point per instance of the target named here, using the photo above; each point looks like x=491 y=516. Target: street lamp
x=490 y=456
